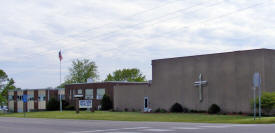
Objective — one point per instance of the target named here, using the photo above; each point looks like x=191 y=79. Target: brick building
x=37 y=99
x=94 y=91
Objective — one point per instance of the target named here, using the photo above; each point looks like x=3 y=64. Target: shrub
x=267 y=102
x=214 y=109
x=126 y=110
x=159 y=110
x=163 y=111
x=185 y=110
x=176 y=108
x=69 y=107
x=53 y=104
x=106 y=103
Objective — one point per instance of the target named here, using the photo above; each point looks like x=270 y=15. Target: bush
x=159 y=110
x=69 y=107
x=176 y=108
x=267 y=102
x=163 y=111
x=214 y=109
x=53 y=104
x=106 y=103
x=185 y=110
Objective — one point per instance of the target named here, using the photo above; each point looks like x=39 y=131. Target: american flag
x=60 y=55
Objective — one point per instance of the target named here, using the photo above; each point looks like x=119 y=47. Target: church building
x=197 y=82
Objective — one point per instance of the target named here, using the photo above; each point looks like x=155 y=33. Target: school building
x=37 y=99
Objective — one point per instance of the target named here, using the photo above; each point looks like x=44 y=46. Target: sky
x=119 y=34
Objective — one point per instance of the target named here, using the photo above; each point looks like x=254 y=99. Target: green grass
x=135 y=116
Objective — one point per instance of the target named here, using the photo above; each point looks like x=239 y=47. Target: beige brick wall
x=41 y=104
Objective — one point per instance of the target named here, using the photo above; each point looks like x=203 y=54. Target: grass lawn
x=136 y=116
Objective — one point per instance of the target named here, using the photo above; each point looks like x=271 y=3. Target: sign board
x=25 y=98
x=256 y=80
x=85 y=103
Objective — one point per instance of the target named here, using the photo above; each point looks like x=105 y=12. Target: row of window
x=89 y=93
x=30 y=98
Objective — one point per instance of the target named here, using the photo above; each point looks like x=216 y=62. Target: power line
x=133 y=15
x=215 y=18
x=160 y=17
x=221 y=16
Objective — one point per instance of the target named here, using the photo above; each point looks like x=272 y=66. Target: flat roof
x=112 y=82
x=37 y=89
x=238 y=51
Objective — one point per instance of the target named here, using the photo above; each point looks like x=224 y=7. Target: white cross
x=200 y=84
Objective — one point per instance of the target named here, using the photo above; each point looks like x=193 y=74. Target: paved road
x=21 y=125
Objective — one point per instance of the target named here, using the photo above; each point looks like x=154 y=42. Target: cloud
x=123 y=33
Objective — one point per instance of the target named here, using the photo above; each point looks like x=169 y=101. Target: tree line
x=84 y=69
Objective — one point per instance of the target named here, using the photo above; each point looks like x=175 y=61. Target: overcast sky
x=120 y=34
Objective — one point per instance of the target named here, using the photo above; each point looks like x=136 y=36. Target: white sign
x=85 y=103
x=256 y=80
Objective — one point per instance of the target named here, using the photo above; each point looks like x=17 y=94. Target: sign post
x=260 y=110
x=257 y=84
x=25 y=100
x=77 y=97
x=254 y=101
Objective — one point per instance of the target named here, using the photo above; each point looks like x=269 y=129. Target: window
x=19 y=98
x=10 y=98
x=30 y=97
x=79 y=91
x=89 y=94
x=100 y=93
x=41 y=97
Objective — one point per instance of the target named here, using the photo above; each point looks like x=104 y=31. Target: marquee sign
x=85 y=103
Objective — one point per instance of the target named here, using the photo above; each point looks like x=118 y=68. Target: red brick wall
x=15 y=101
x=35 y=100
x=25 y=92
x=109 y=90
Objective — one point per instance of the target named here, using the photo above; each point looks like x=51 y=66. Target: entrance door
x=146 y=104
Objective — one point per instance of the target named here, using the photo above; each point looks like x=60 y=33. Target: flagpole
x=60 y=98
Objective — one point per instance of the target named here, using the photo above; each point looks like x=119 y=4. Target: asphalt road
x=22 y=125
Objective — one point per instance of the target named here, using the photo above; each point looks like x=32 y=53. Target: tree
x=80 y=71
x=133 y=74
x=8 y=86
x=3 y=78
